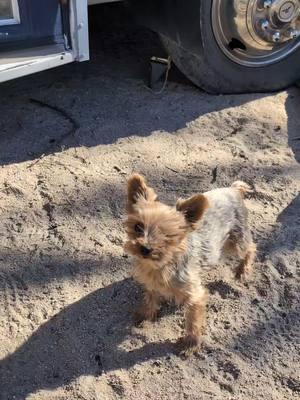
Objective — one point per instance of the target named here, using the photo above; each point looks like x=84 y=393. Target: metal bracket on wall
x=79 y=29
x=65 y=19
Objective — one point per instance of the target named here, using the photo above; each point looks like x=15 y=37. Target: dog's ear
x=136 y=189
x=193 y=208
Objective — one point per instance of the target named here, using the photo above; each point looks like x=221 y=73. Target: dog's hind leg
x=244 y=248
x=247 y=257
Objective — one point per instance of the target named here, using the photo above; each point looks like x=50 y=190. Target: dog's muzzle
x=145 y=251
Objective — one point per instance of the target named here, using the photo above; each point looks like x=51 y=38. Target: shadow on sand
x=83 y=339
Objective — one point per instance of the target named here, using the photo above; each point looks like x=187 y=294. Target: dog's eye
x=139 y=228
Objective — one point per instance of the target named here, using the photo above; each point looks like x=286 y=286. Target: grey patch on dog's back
x=223 y=289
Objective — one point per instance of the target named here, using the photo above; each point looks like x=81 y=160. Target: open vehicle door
x=37 y=35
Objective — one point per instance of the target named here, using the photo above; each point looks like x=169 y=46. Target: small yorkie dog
x=172 y=244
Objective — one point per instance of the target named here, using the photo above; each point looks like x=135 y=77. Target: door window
x=9 y=12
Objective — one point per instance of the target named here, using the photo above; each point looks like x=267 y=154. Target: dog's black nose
x=145 y=251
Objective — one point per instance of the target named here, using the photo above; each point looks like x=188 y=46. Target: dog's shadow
x=83 y=339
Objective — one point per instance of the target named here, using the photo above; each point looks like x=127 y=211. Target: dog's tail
x=242 y=187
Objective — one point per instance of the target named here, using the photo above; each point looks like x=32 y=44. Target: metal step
x=23 y=62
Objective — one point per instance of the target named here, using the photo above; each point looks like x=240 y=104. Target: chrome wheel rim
x=256 y=33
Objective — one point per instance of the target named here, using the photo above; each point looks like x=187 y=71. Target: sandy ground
x=65 y=290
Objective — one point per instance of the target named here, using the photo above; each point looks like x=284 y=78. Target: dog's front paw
x=189 y=345
x=141 y=315
x=243 y=275
x=138 y=318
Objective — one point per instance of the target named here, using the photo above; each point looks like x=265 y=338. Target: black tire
x=209 y=68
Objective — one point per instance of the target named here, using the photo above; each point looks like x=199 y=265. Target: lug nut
x=276 y=37
x=265 y=24
x=294 y=34
x=267 y=3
